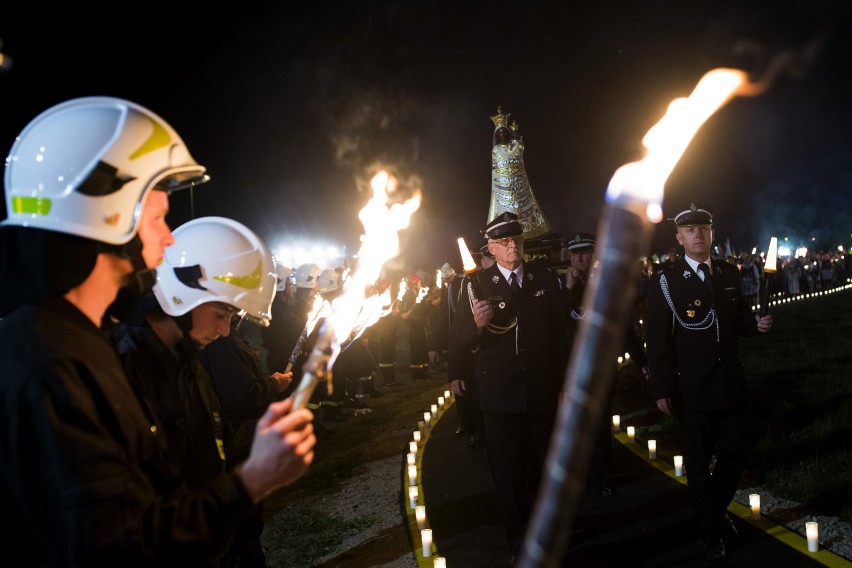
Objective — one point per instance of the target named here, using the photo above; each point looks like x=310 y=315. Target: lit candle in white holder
x=427 y=418
x=412 y=475
x=678 y=463
x=616 y=422
x=652 y=449
x=417 y=435
x=441 y=401
x=754 y=502
x=412 y=447
x=420 y=515
x=631 y=433
x=812 y=531
x=447 y=395
x=412 y=496
x=411 y=458
x=426 y=537
x=434 y=409
x=440 y=562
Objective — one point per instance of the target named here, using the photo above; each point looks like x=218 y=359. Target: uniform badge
x=502 y=305
x=495 y=279
x=697 y=303
x=690 y=313
x=529 y=277
x=687 y=274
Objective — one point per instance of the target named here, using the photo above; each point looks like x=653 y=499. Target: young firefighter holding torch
x=85 y=477
x=695 y=317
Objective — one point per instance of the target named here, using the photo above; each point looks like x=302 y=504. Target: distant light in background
x=783 y=251
x=801 y=251
x=323 y=255
x=5 y=60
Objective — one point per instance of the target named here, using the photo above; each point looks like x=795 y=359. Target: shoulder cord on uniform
x=708 y=320
x=493 y=328
x=576 y=315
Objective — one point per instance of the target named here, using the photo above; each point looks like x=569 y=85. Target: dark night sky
x=288 y=104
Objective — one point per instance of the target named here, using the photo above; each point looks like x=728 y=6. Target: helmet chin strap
x=142 y=279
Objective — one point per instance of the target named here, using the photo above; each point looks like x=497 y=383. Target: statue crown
x=500 y=119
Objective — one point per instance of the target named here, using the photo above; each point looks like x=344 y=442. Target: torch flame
x=359 y=306
x=667 y=140
x=467 y=259
x=771 y=256
x=319 y=310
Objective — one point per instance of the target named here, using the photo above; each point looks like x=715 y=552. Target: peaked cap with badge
x=504 y=225
x=692 y=216
x=581 y=242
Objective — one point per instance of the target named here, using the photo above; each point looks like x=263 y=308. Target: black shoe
x=460 y=431
x=714 y=549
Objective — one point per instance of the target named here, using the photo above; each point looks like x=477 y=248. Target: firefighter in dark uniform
x=517 y=337
x=695 y=318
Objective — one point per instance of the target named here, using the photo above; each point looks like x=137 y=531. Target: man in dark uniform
x=517 y=336
x=695 y=318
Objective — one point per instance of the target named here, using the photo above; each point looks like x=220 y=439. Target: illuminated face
x=211 y=321
x=696 y=240
x=154 y=232
x=508 y=252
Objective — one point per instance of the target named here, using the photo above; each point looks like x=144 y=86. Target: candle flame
x=667 y=140
x=771 y=256
x=360 y=306
x=467 y=259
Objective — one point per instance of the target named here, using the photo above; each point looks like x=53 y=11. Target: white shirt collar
x=519 y=273
x=694 y=263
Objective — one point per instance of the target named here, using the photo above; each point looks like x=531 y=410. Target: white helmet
x=447 y=271
x=283 y=277
x=306 y=276
x=84 y=167
x=215 y=259
x=328 y=281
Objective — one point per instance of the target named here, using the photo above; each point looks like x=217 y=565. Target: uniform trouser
x=517 y=449
x=467 y=407
x=727 y=435
x=418 y=341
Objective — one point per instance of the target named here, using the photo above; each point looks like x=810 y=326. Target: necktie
x=708 y=279
x=514 y=285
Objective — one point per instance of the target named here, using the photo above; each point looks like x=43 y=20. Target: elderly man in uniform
x=515 y=327
x=695 y=318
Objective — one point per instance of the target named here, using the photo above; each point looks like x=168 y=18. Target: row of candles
x=811 y=527
x=412 y=466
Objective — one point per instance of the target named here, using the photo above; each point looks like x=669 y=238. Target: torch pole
x=316 y=367
x=765 y=291
x=626 y=236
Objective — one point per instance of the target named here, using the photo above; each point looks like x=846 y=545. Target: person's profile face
x=154 y=232
x=210 y=321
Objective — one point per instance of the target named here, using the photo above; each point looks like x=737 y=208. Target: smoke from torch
x=359 y=306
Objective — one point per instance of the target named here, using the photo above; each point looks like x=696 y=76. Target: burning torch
x=768 y=273
x=360 y=305
x=633 y=205
x=470 y=267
